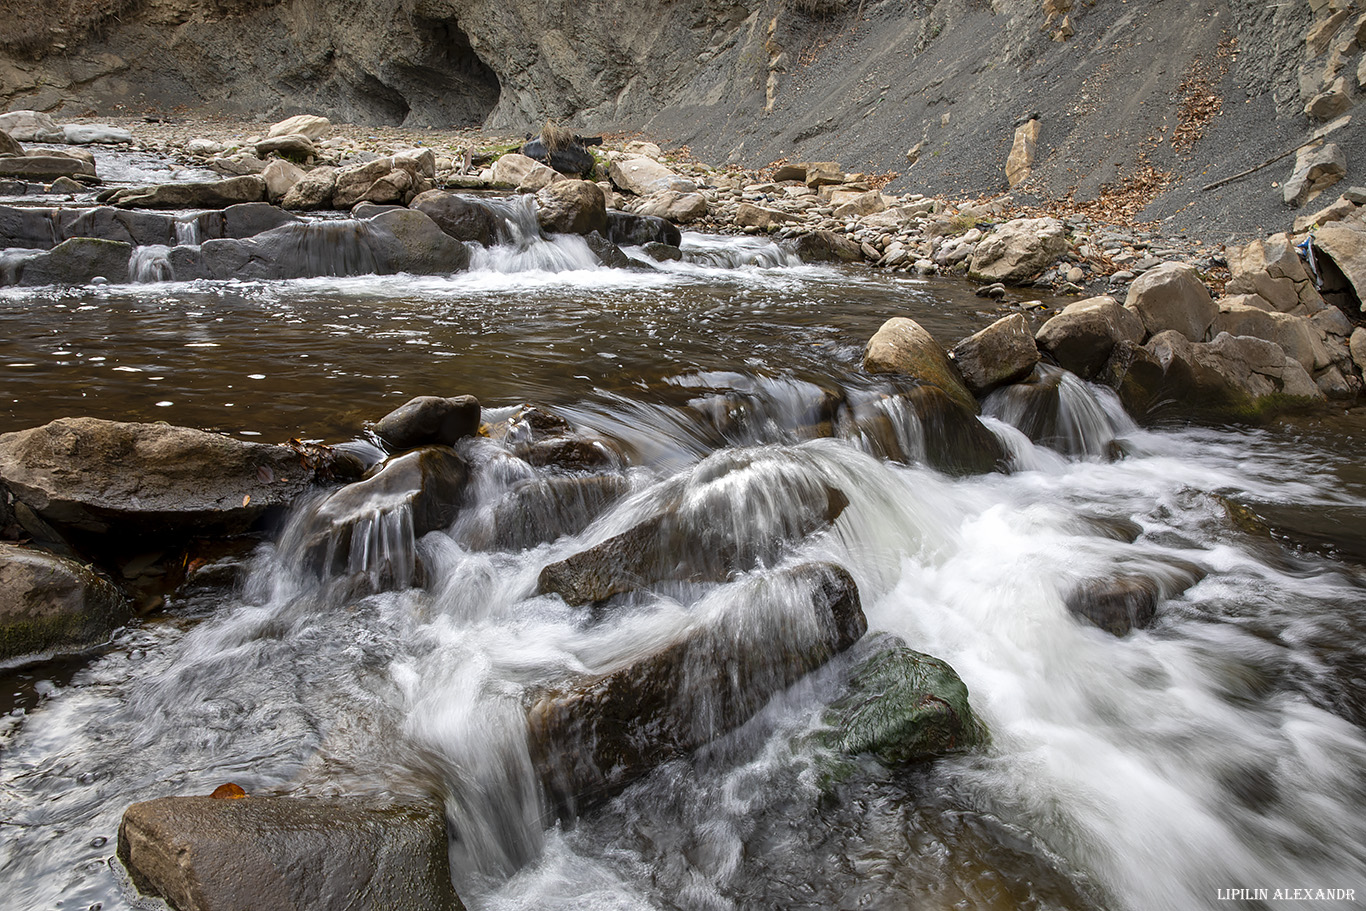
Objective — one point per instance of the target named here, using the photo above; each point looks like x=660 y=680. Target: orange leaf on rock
x=228 y=791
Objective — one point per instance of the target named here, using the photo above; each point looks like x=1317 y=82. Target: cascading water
x=378 y=648
x=151 y=263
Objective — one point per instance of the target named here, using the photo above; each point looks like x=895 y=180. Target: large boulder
x=1316 y=169
x=133 y=482
x=51 y=604
x=95 y=134
x=674 y=205
x=522 y=173
x=903 y=707
x=709 y=530
x=645 y=177
x=571 y=207
x=1018 y=250
x=77 y=261
x=216 y=194
x=280 y=177
x=1344 y=244
x=636 y=230
x=1082 y=337
x=591 y=739
x=301 y=854
x=45 y=166
x=902 y=346
x=1233 y=378
x=312 y=126
x=384 y=180
x=539 y=510
x=1171 y=296
x=430 y=420
x=31 y=126
x=313 y=191
x=462 y=217
x=827 y=247
x=295 y=147
x=921 y=425
x=1001 y=353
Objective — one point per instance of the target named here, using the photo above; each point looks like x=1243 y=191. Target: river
x=1220 y=749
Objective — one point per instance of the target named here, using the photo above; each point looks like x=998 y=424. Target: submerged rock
x=301 y=854
x=154 y=481
x=1128 y=600
x=543 y=509
x=430 y=419
x=720 y=524
x=903 y=707
x=52 y=604
x=592 y=739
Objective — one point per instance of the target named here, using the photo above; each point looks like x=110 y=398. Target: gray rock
x=1018 y=250
x=1333 y=101
x=1316 y=169
x=523 y=173
x=1171 y=296
x=1082 y=337
x=313 y=191
x=1001 y=353
x=749 y=215
x=571 y=207
x=459 y=216
x=251 y=218
x=645 y=177
x=31 y=126
x=44 y=166
x=91 y=134
x=280 y=177
x=52 y=604
x=300 y=854
x=590 y=740
x=675 y=206
x=637 y=230
x=1344 y=242
x=216 y=194
x=905 y=348
x=77 y=261
x=827 y=247
x=310 y=126
x=152 y=481
x=430 y=419
x=295 y=145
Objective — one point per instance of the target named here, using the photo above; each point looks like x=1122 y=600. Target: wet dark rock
x=610 y=255
x=402 y=240
x=150 y=481
x=459 y=216
x=543 y=509
x=999 y=354
x=529 y=424
x=722 y=532
x=591 y=739
x=827 y=247
x=411 y=494
x=903 y=707
x=662 y=253
x=571 y=158
x=633 y=230
x=905 y=348
x=1128 y=600
x=9 y=145
x=251 y=218
x=301 y=854
x=956 y=442
x=571 y=207
x=1083 y=335
x=77 y=261
x=216 y=194
x=53 y=604
x=430 y=419
x=364 y=210
x=572 y=454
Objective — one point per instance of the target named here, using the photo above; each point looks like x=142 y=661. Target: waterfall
x=150 y=263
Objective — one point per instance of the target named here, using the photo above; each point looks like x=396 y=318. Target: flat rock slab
x=45 y=167
x=288 y=854
x=51 y=604
x=102 y=477
x=215 y=194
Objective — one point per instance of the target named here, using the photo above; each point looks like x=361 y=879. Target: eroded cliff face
x=751 y=81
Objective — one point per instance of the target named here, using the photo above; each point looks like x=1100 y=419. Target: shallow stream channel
x=1220 y=748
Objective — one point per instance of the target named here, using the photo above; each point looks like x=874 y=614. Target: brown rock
x=903 y=347
x=1001 y=353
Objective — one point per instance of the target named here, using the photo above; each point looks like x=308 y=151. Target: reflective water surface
x=1220 y=749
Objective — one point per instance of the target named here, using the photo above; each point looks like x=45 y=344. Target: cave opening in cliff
x=446 y=83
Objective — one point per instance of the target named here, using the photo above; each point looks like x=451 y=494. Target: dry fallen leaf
x=246 y=499
x=228 y=791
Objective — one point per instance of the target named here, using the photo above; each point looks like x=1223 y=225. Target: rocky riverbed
x=107 y=521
